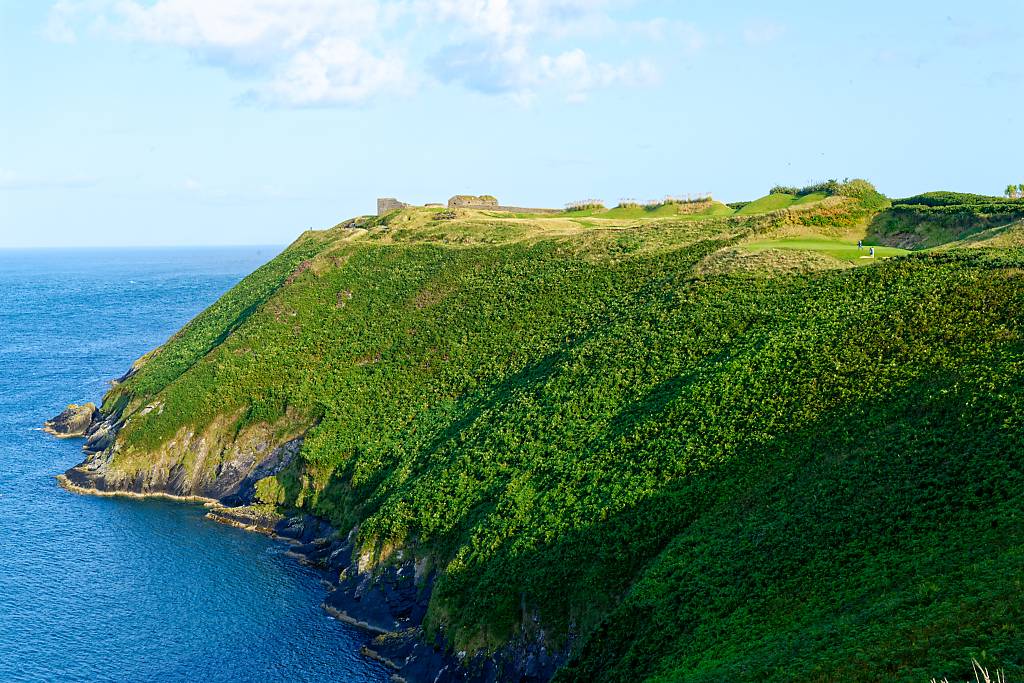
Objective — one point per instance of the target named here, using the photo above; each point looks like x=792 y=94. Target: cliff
x=555 y=444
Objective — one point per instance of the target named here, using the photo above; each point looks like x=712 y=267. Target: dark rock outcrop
x=243 y=492
x=388 y=600
x=391 y=602
x=75 y=420
x=233 y=482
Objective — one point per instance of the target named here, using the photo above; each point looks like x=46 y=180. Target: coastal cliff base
x=389 y=602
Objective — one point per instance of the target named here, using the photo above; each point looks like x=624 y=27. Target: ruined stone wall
x=465 y=201
x=388 y=204
x=509 y=209
x=520 y=209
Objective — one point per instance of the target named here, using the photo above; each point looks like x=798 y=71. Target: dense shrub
x=856 y=188
x=953 y=199
x=585 y=205
x=808 y=477
x=829 y=187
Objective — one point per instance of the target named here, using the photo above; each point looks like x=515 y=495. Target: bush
x=585 y=205
x=855 y=188
x=953 y=199
x=710 y=479
x=829 y=187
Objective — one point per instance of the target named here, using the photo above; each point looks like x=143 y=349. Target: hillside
x=936 y=218
x=637 y=441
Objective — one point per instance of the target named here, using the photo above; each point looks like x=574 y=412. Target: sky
x=188 y=122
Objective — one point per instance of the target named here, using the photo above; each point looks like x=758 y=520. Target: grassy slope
x=668 y=210
x=840 y=249
x=771 y=202
x=1006 y=236
x=724 y=477
x=665 y=211
x=937 y=218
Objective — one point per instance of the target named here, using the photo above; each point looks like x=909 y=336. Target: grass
x=810 y=198
x=778 y=200
x=771 y=202
x=843 y=250
x=937 y=218
x=667 y=210
x=981 y=675
x=772 y=475
x=767 y=204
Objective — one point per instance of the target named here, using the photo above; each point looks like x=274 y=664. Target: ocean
x=113 y=589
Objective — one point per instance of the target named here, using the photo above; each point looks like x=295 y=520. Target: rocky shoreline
x=390 y=602
x=74 y=421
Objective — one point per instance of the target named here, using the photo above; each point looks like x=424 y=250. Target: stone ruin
x=468 y=201
x=389 y=204
x=483 y=202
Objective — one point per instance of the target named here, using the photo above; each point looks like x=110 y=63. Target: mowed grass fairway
x=839 y=249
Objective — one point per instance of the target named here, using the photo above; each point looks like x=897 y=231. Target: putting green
x=841 y=250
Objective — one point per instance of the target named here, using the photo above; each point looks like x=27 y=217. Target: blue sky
x=130 y=122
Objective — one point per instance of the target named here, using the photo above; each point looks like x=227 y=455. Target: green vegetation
x=781 y=197
x=809 y=198
x=948 y=199
x=936 y=218
x=770 y=202
x=855 y=188
x=705 y=475
x=846 y=251
x=666 y=210
x=827 y=188
x=585 y=205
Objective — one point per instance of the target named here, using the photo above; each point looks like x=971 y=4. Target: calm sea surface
x=107 y=589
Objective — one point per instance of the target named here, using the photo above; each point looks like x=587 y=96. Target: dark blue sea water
x=109 y=589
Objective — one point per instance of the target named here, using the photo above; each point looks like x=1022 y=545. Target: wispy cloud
x=343 y=52
x=9 y=180
x=513 y=70
x=502 y=57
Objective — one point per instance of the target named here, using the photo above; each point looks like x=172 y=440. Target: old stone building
x=484 y=202
x=468 y=201
x=388 y=204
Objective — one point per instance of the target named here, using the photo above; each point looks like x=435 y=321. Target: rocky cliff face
x=387 y=600
x=73 y=421
x=391 y=601
x=213 y=464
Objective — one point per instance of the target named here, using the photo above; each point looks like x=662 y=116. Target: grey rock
x=75 y=420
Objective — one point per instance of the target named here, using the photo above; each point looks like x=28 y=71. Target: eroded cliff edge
x=389 y=601
x=631 y=441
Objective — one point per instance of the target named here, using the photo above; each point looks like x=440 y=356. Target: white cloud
x=508 y=20
x=331 y=52
x=251 y=27
x=512 y=70
x=334 y=71
x=578 y=74
x=501 y=56
x=302 y=52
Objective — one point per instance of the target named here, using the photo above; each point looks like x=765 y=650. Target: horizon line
x=51 y=247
